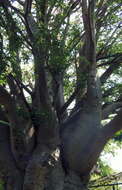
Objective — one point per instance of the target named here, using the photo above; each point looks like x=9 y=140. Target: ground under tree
x=43 y=144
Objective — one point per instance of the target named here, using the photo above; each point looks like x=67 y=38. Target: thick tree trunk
x=43 y=170
x=52 y=178
x=82 y=140
x=38 y=177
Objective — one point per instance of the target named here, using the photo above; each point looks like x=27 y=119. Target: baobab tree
x=50 y=52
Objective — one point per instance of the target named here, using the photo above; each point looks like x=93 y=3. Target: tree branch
x=114 y=65
x=25 y=87
x=67 y=13
x=17 y=138
x=110 y=109
x=7 y=162
x=8 y=102
x=69 y=101
x=58 y=93
x=17 y=91
x=16 y=10
x=5 y=98
x=109 y=42
x=12 y=22
x=93 y=85
x=28 y=5
x=100 y=14
x=113 y=126
x=114 y=56
x=20 y=2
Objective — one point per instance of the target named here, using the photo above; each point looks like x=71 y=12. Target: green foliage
x=118 y=137
x=14 y=41
x=2 y=79
x=69 y=82
x=104 y=168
